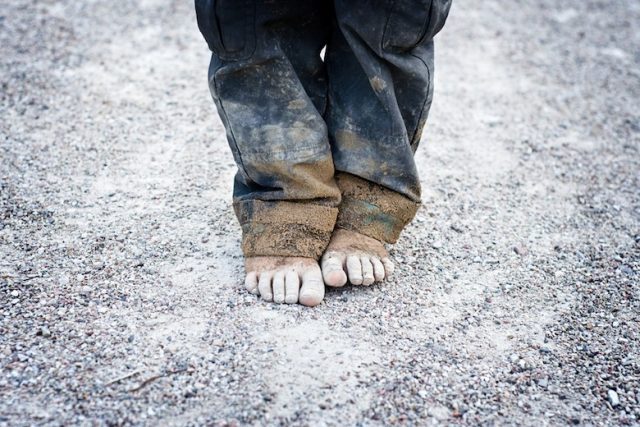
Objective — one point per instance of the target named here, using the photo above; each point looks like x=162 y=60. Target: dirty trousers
x=321 y=143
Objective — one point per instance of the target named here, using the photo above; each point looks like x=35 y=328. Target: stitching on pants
x=424 y=104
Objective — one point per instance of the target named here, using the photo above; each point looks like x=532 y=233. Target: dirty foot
x=289 y=280
x=356 y=258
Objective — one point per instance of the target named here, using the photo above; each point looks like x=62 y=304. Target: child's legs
x=269 y=85
x=380 y=66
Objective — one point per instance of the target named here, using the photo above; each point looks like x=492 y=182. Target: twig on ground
x=124 y=377
x=156 y=377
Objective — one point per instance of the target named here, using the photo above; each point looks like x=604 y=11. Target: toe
x=378 y=269
x=312 y=289
x=251 y=282
x=354 y=269
x=278 y=287
x=333 y=269
x=264 y=286
x=388 y=266
x=292 y=287
x=367 y=271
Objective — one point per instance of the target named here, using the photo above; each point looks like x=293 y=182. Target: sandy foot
x=356 y=258
x=285 y=280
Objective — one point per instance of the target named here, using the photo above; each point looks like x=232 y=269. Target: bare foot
x=355 y=257
x=290 y=279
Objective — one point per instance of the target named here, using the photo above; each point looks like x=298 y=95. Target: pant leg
x=269 y=85
x=380 y=66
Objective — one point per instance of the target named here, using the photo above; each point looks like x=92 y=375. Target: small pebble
x=613 y=398
x=520 y=250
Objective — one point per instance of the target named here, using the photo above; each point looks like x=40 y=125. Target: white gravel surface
x=516 y=299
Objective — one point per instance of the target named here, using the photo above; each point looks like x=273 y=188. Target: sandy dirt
x=515 y=300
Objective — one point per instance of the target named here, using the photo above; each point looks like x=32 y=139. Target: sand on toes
x=355 y=258
x=285 y=279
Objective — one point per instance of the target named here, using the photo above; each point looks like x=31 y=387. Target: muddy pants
x=322 y=143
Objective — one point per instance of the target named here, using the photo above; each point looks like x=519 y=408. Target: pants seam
x=233 y=137
x=412 y=141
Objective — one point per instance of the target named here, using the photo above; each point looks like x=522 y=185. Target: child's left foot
x=356 y=258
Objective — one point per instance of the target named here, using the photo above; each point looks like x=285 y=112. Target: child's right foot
x=285 y=279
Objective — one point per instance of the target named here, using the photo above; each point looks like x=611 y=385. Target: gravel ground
x=517 y=298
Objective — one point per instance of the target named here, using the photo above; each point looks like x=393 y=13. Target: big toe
x=312 y=289
x=333 y=271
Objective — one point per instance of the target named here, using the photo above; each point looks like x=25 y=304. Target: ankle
x=344 y=239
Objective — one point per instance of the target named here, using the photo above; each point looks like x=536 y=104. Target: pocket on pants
x=228 y=26
x=412 y=22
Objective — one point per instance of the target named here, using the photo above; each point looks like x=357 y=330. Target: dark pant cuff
x=373 y=210
x=286 y=229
